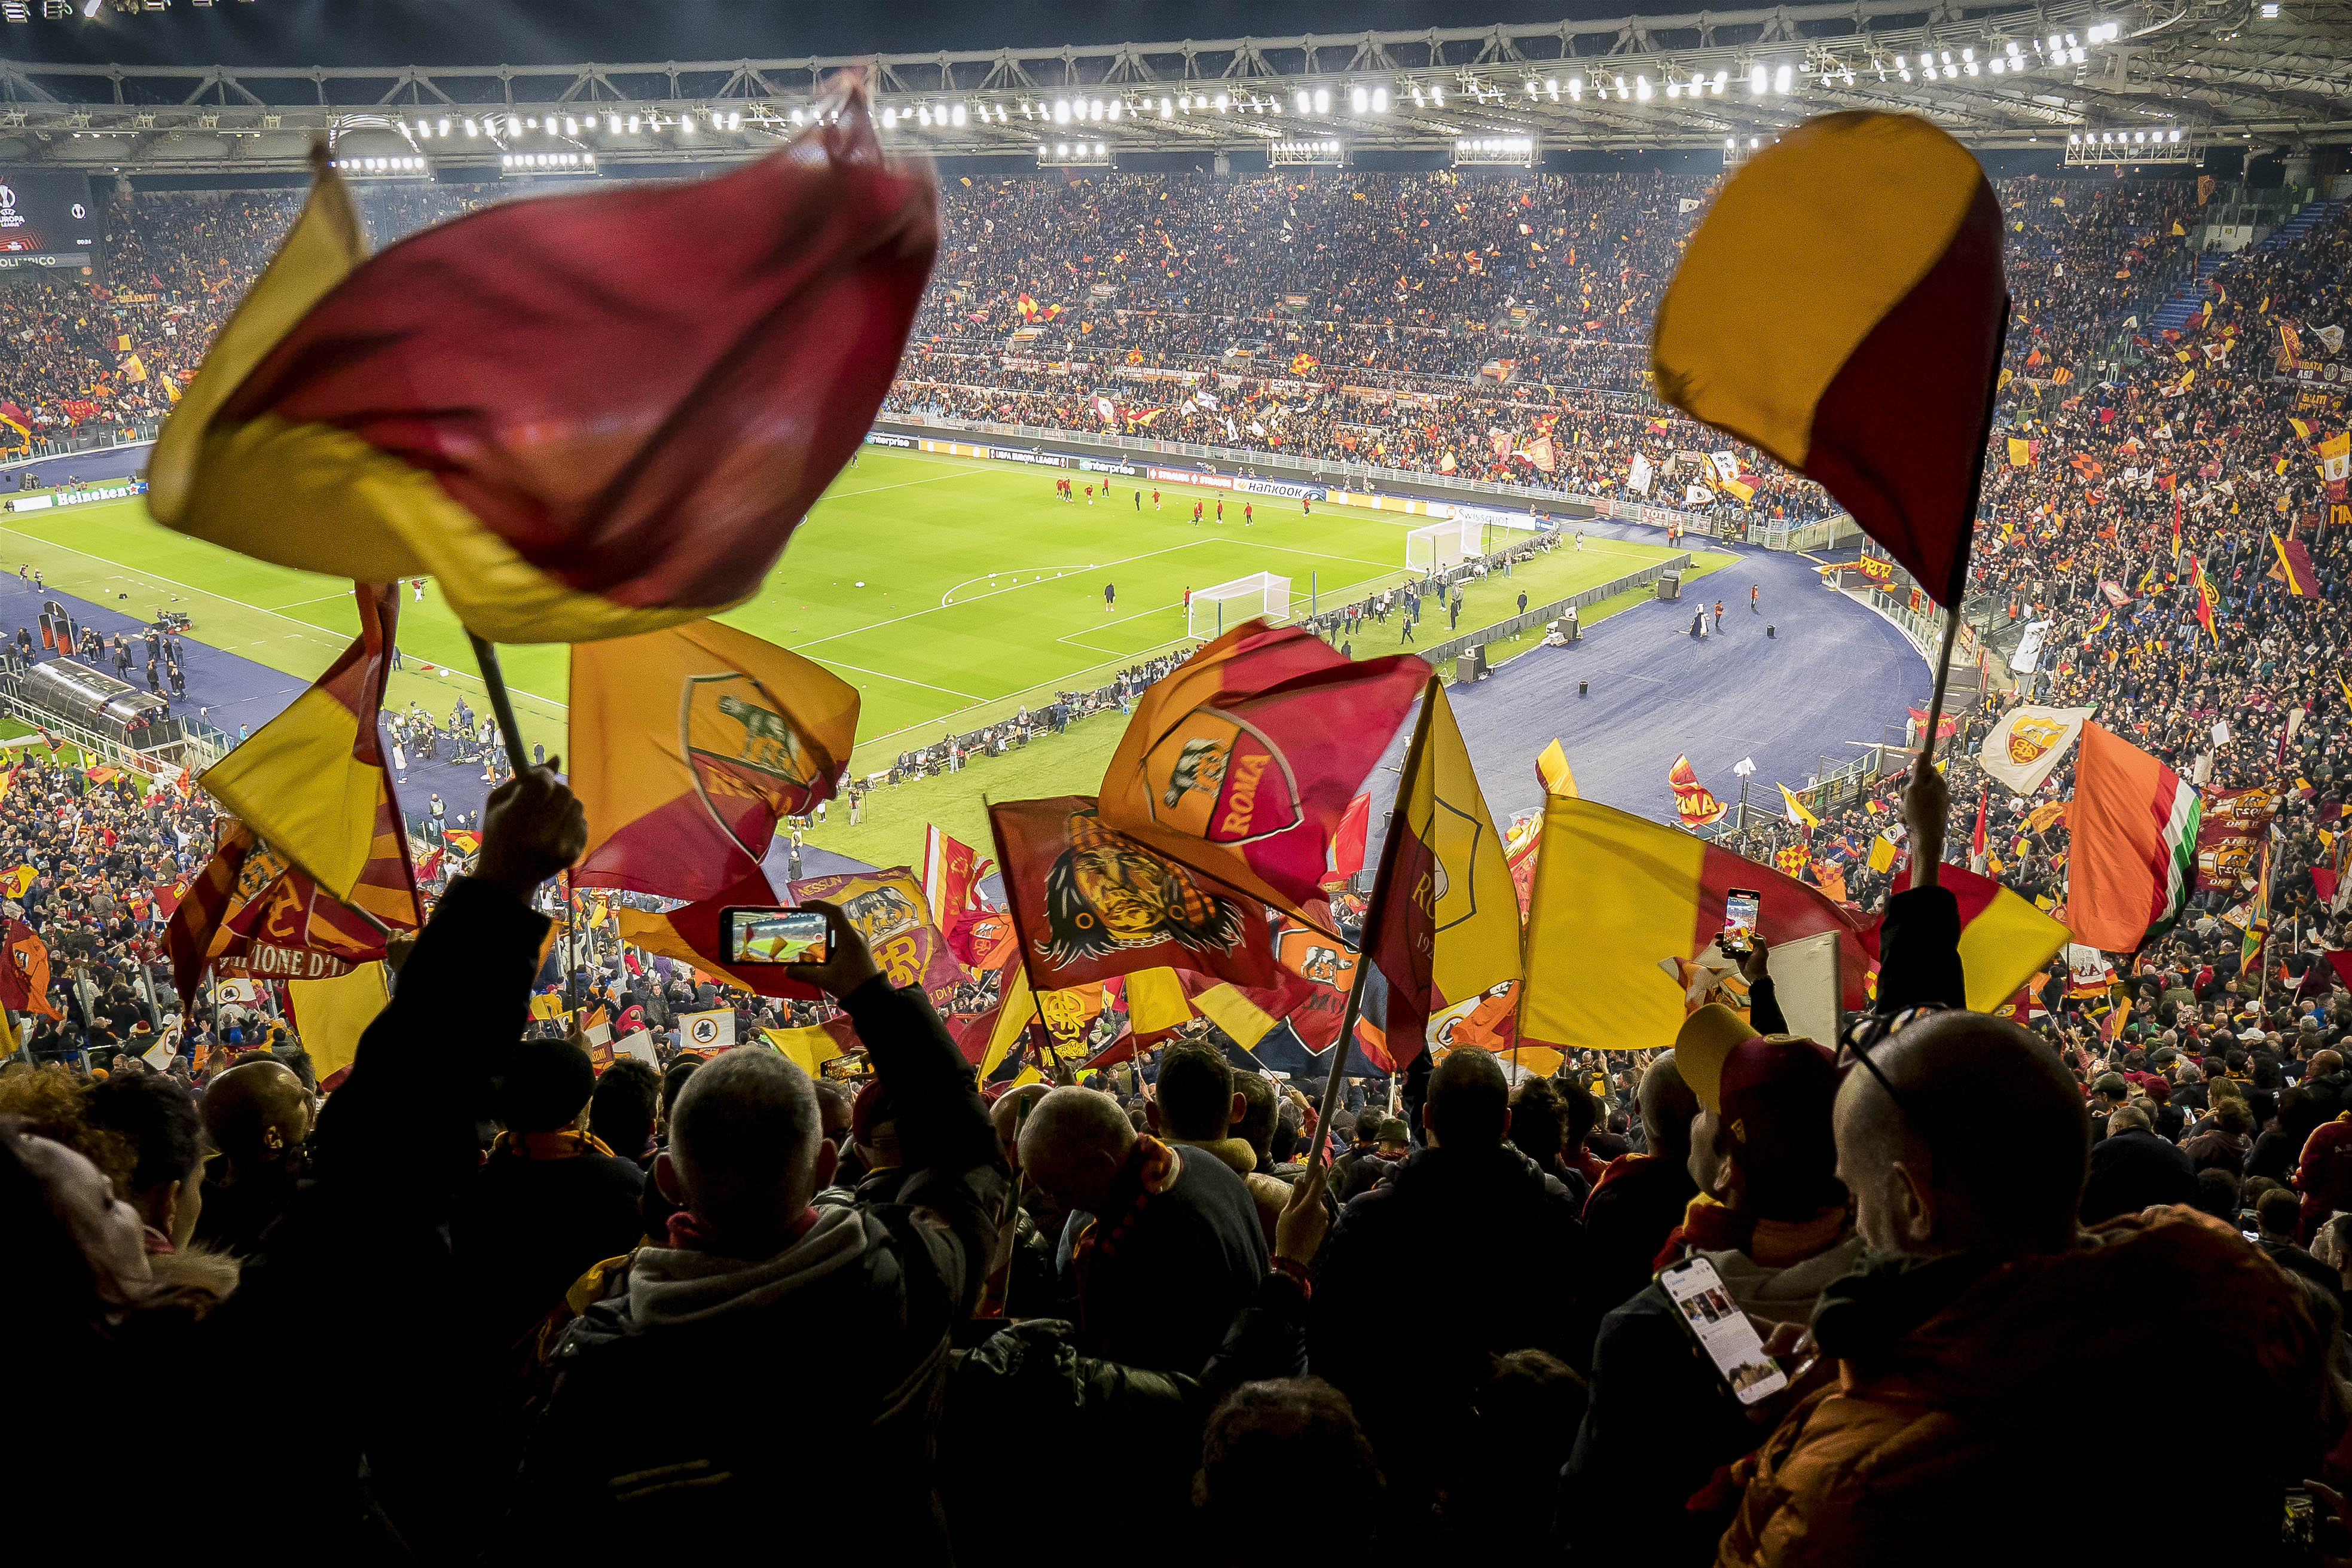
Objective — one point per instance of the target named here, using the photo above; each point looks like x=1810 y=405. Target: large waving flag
x=25 y=972
x=1842 y=308
x=1620 y=903
x=1089 y=902
x=1797 y=810
x=586 y=415
x=1242 y=761
x=2005 y=940
x=1448 y=938
x=890 y=912
x=312 y=783
x=688 y=745
x=2294 y=567
x=951 y=875
x=2207 y=601
x=252 y=912
x=692 y=934
x=2133 y=858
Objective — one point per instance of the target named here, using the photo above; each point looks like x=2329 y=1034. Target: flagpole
x=502 y=707
x=1959 y=590
x=1372 y=913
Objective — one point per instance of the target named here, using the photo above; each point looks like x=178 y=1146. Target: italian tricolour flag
x=2134 y=822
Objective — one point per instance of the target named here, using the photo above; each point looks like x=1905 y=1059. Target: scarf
x=567 y=1144
x=1151 y=1169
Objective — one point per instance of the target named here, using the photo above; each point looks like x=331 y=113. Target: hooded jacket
x=703 y=1387
x=1971 y=1391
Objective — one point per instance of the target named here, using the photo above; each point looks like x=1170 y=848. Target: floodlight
x=1642 y=88
x=1380 y=100
x=1359 y=100
x=1756 y=80
x=1322 y=100
x=1438 y=95
x=1306 y=102
x=1780 y=81
x=1720 y=77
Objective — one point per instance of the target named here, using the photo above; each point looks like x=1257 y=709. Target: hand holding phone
x=771 y=935
x=1724 y=1333
x=1743 y=907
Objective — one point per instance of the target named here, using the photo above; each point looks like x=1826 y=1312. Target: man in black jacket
x=720 y=1372
x=1468 y=1252
x=2132 y=1169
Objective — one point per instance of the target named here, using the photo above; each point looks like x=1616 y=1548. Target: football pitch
x=951 y=592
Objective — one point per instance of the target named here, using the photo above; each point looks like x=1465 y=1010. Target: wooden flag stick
x=501 y=705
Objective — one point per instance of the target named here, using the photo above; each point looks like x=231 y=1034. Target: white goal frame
x=1221 y=608
x=1436 y=546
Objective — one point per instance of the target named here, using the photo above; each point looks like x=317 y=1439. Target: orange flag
x=25 y=975
x=688 y=745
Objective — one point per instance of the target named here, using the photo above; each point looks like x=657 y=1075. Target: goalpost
x=1437 y=546
x=1216 y=610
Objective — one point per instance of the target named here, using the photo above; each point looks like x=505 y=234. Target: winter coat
x=1971 y=1391
x=702 y=1388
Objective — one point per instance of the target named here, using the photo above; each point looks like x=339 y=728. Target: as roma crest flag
x=1695 y=803
x=1242 y=762
x=585 y=415
x=2028 y=743
x=312 y=783
x=1089 y=902
x=890 y=912
x=691 y=933
x=25 y=972
x=688 y=745
x=1447 y=933
x=1842 y=308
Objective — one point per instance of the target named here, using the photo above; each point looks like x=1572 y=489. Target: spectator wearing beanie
x=1770 y=1217
x=552 y=1200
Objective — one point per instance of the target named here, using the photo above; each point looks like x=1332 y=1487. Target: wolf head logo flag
x=587 y=415
x=1842 y=308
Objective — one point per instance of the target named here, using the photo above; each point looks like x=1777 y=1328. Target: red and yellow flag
x=1695 y=803
x=312 y=782
x=1089 y=902
x=1448 y=938
x=1621 y=904
x=691 y=933
x=1842 y=308
x=25 y=973
x=585 y=415
x=1242 y=761
x=2294 y=567
x=687 y=746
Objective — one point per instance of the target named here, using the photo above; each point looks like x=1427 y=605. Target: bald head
x=1006 y=1116
x=1667 y=1105
x=747 y=1151
x=1074 y=1145
x=1930 y=1175
x=256 y=1114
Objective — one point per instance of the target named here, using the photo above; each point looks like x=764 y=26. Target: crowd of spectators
x=1473 y=1315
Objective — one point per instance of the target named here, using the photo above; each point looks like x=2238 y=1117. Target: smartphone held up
x=771 y=935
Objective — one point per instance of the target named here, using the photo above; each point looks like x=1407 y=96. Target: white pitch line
x=909 y=681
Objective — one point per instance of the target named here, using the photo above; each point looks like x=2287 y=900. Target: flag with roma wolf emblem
x=1089 y=902
x=1447 y=941
x=888 y=909
x=2029 y=743
x=688 y=745
x=1242 y=762
x=586 y=415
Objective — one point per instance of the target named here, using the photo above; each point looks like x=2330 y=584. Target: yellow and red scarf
x=569 y=1143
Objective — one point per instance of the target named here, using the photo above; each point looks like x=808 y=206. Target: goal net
x=1437 y=546
x=1215 y=610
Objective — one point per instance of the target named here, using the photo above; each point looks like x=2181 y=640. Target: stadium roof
x=2008 y=77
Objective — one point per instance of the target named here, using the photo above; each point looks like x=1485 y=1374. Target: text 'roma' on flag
x=1447 y=932
x=585 y=415
x=1842 y=308
x=688 y=745
x=1616 y=897
x=1242 y=762
x=311 y=783
x=1089 y=902
x=2133 y=851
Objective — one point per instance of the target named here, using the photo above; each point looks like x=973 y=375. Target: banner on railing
x=48 y=499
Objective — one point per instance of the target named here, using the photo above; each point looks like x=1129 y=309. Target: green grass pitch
x=949 y=591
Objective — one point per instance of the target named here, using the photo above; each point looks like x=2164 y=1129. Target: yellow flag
x=811 y=1047
x=333 y=1014
x=1017 y=1012
x=1552 y=772
x=1236 y=1014
x=1155 y=1000
x=1797 y=812
x=1882 y=853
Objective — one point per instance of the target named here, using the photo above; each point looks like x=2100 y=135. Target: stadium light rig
x=1496 y=152
x=1301 y=153
x=2107 y=148
x=533 y=165
x=1075 y=155
x=383 y=168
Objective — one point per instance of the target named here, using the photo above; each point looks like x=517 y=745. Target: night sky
x=555 y=32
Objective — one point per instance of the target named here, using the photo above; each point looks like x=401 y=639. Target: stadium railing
x=84 y=438
x=1815 y=534
x=1437 y=652
x=196 y=745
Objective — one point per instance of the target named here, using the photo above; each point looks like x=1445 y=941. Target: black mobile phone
x=1742 y=908
x=1723 y=1333
x=773 y=935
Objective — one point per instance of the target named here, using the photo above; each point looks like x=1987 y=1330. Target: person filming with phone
x=1770 y=1228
